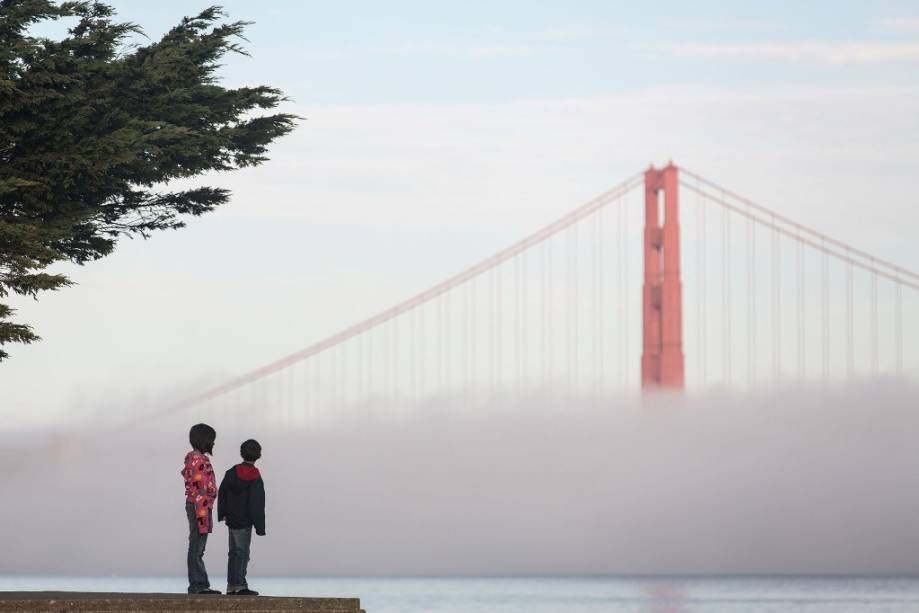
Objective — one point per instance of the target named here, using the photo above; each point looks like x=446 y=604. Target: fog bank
x=805 y=480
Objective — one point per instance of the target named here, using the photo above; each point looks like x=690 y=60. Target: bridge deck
x=100 y=601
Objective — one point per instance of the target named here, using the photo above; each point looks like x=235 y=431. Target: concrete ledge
x=101 y=601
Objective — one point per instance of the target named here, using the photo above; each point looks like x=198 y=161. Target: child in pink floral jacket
x=200 y=492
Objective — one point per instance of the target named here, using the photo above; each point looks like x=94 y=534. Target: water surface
x=551 y=594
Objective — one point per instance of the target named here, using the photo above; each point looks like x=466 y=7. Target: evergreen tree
x=92 y=131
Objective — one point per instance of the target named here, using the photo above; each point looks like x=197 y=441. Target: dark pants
x=197 y=574
x=238 y=562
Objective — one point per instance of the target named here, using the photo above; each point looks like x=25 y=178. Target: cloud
x=579 y=32
x=731 y=25
x=491 y=41
x=475 y=51
x=501 y=50
x=806 y=52
x=900 y=24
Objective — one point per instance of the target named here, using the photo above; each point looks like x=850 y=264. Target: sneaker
x=243 y=592
x=208 y=591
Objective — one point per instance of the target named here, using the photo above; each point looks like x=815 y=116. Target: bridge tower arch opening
x=662 y=294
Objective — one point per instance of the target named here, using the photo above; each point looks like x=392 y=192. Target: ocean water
x=551 y=594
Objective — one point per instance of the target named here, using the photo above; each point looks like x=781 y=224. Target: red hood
x=247 y=472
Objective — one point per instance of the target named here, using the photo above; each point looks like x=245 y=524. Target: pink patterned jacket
x=200 y=488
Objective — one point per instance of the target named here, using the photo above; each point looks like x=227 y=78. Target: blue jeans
x=197 y=574
x=238 y=562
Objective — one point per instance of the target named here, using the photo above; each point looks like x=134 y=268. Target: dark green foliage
x=92 y=131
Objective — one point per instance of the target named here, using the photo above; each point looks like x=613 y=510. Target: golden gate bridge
x=605 y=301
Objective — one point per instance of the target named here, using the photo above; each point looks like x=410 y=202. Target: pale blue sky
x=438 y=133
x=375 y=52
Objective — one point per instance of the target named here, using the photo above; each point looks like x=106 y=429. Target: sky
x=433 y=135
x=411 y=52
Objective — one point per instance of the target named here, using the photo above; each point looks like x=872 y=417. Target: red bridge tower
x=662 y=296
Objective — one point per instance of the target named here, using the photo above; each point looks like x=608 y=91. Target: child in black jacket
x=241 y=503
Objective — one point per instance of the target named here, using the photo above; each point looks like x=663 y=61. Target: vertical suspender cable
x=334 y=389
x=754 y=348
x=411 y=366
x=281 y=386
x=725 y=296
x=273 y=393
x=569 y=310
x=467 y=338
x=524 y=316
x=447 y=375
x=316 y=385
x=518 y=280
x=370 y=365
x=751 y=271
x=621 y=284
x=317 y=388
x=333 y=395
x=898 y=326
x=802 y=368
x=850 y=318
x=241 y=405
x=362 y=367
x=336 y=377
x=499 y=324
x=342 y=374
x=874 y=319
x=544 y=302
x=429 y=355
x=624 y=367
x=441 y=342
x=310 y=391
x=290 y=400
x=549 y=327
x=569 y=285
x=420 y=351
x=331 y=399
x=825 y=299
x=265 y=394
x=389 y=365
x=277 y=405
x=576 y=302
x=700 y=314
x=776 y=306
x=492 y=330
x=474 y=334
x=385 y=364
x=307 y=388
x=602 y=298
x=703 y=293
x=601 y=306
x=596 y=299
x=398 y=383
x=237 y=405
